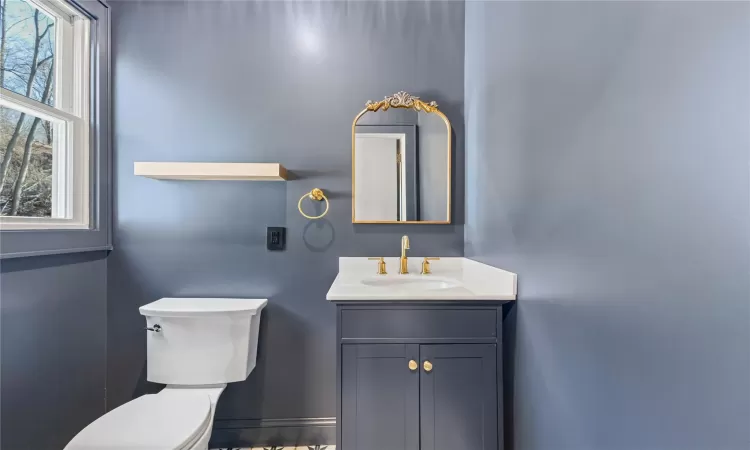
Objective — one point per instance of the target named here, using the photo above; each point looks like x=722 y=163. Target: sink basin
x=413 y=283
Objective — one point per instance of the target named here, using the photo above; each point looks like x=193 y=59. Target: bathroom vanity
x=419 y=356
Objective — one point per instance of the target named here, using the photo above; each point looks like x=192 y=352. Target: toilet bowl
x=174 y=419
x=194 y=346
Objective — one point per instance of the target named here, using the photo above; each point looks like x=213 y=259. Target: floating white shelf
x=210 y=171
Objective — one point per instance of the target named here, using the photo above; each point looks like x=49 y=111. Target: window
x=44 y=116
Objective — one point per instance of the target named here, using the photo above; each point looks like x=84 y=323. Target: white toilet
x=194 y=346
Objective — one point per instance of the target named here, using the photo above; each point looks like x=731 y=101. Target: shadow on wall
x=319 y=235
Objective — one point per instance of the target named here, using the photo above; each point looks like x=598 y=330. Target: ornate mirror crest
x=401 y=99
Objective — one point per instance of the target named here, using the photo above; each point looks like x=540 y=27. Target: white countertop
x=451 y=279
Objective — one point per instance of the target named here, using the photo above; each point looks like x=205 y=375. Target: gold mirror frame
x=405 y=100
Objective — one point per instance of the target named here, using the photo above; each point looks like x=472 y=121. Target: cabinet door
x=458 y=399
x=379 y=397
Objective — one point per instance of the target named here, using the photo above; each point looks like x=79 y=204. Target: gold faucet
x=426 y=265
x=404 y=269
x=381 y=265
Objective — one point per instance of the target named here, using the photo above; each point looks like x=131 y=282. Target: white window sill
x=28 y=224
x=55 y=252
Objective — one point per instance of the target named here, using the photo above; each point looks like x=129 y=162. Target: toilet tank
x=198 y=341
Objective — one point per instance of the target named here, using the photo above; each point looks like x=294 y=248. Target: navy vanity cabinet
x=419 y=376
x=458 y=397
x=380 y=397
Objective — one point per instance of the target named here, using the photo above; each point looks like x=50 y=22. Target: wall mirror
x=401 y=162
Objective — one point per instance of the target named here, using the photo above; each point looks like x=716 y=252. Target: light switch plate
x=275 y=238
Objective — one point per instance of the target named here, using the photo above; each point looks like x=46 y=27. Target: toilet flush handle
x=156 y=328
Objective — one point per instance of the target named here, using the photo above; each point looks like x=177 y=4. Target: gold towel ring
x=317 y=195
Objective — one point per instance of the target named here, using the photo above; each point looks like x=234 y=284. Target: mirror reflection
x=401 y=162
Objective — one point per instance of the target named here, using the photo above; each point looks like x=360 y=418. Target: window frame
x=68 y=235
x=70 y=114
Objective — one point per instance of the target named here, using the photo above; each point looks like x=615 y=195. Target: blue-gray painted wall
x=53 y=323
x=53 y=313
x=607 y=164
x=261 y=82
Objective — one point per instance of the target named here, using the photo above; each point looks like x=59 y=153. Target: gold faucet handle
x=381 y=265
x=426 y=265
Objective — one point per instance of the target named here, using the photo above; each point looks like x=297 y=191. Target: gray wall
x=53 y=347
x=607 y=164
x=261 y=82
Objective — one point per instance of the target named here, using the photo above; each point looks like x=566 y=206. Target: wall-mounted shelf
x=210 y=171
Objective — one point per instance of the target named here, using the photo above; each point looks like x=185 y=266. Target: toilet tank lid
x=190 y=307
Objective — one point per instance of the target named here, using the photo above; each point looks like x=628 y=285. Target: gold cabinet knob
x=413 y=365
x=427 y=366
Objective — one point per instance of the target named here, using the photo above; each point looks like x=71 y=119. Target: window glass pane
x=28 y=51
x=26 y=151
